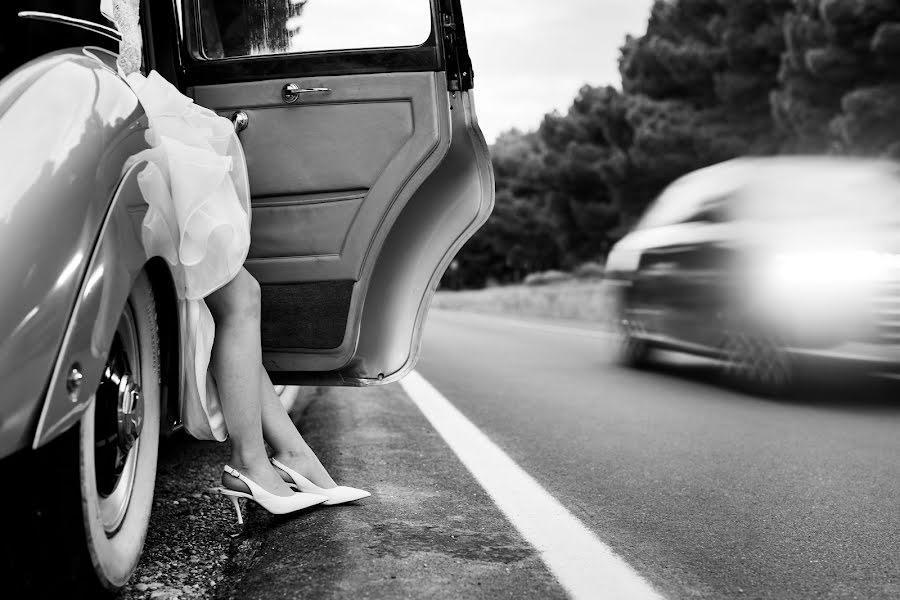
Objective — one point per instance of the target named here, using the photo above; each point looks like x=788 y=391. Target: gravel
x=194 y=543
x=192 y=530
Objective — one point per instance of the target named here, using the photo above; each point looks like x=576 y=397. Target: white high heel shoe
x=336 y=495
x=277 y=505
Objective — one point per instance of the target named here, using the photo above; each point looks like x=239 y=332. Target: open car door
x=367 y=168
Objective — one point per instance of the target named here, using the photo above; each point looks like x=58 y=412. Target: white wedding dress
x=198 y=218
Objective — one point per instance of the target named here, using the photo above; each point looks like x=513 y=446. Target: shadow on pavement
x=830 y=385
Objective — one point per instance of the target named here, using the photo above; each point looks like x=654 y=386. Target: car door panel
x=337 y=190
x=328 y=176
x=685 y=282
x=304 y=225
x=679 y=282
x=660 y=279
x=367 y=137
x=453 y=203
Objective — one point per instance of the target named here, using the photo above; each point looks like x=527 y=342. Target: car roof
x=821 y=188
x=793 y=186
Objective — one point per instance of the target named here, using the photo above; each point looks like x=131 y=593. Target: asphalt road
x=706 y=492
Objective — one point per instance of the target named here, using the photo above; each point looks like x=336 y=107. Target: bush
x=547 y=277
x=589 y=270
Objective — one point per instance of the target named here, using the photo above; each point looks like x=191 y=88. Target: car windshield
x=694 y=194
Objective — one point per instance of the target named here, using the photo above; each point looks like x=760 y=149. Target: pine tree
x=839 y=85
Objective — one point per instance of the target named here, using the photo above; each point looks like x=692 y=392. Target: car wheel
x=756 y=361
x=633 y=349
x=119 y=442
x=80 y=514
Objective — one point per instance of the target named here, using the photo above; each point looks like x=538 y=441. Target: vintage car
x=777 y=267
x=368 y=172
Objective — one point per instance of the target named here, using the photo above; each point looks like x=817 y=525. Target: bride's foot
x=308 y=465
x=262 y=473
x=238 y=482
x=338 y=494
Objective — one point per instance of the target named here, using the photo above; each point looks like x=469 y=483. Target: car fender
x=117 y=260
x=67 y=124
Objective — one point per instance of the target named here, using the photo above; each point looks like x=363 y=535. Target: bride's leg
x=288 y=445
x=235 y=355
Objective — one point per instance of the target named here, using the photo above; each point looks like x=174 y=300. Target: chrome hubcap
x=118 y=422
x=130 y=412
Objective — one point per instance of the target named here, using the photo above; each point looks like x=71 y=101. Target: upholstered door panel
x=329 y=173
x=301 y=149
x=311 y=225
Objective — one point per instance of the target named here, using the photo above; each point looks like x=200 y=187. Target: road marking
x=534 y=326
x=584 y=565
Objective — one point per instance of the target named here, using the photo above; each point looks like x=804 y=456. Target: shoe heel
x=237 y=509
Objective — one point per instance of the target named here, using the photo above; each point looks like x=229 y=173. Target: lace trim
x=126 y=16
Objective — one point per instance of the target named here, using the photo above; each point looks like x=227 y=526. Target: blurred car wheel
x=633 y=349
x=756 y=361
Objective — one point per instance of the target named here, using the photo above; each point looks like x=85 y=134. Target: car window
x=232 y=28
x=706 y=195
x=672 y=206
x=715 y=209
x=682 y=203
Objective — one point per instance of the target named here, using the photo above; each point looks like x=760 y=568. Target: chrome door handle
x=291 y=92
x=240 y=119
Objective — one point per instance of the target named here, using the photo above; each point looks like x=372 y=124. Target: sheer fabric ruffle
x=198 y=219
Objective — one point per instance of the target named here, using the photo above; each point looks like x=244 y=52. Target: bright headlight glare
x=818 y=291
x=832 y=267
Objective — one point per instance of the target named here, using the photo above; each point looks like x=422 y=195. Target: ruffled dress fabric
x=198 y=219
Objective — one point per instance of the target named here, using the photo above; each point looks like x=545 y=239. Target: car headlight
x=821 y=290
x=831 y=269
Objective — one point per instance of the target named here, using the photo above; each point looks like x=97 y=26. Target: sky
x=531 y=56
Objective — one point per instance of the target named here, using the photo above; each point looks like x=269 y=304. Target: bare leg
x=289 y=446
x=236 y=352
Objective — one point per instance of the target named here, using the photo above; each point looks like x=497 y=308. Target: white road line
x=585 y=566
x=523 y=324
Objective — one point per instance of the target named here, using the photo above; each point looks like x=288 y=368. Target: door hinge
x=459 y=76
x=451 y=52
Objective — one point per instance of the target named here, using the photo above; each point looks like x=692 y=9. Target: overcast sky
x=531 y=56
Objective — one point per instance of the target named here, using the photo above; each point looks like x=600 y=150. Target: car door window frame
x=428 y=56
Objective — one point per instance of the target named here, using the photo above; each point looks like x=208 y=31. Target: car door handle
x=291 y=92
x=240 y=119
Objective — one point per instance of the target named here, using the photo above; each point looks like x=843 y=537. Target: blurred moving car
x=368 y=172
x=764 y=263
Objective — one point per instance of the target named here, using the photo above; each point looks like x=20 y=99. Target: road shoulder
x=429 y=530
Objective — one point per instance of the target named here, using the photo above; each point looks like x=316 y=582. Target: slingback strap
x=252 y=487
x=234 y=473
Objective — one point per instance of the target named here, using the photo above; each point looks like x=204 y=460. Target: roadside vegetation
x=709 y=80
x=578 y=295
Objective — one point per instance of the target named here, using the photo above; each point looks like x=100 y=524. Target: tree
x=519 y=236
x=697 y=87
x=840 y=77
x=708 y=81
x=585 y=167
